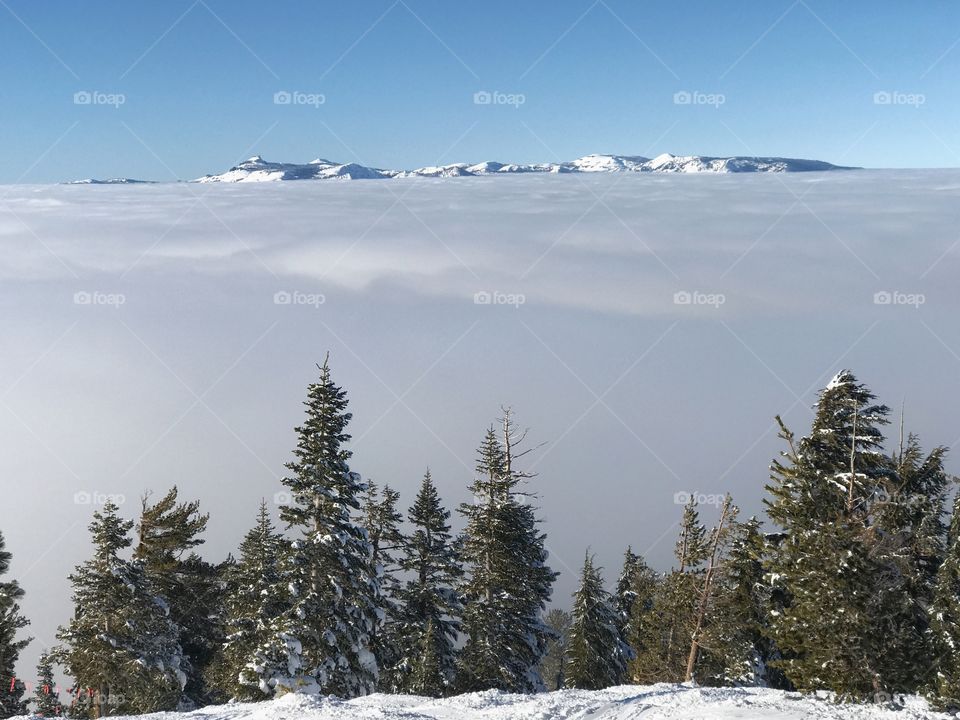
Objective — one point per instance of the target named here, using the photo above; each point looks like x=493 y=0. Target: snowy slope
x=622 y=703
x=256 y=169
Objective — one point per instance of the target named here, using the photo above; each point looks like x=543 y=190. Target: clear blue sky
x=398 y=78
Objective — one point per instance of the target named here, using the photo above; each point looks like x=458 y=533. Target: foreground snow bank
x=620 y=703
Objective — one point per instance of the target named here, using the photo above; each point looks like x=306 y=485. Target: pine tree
x=553 y=665
x=166 y=534
x=11 y=622
x=121 y=642
x=597 y=656
x=382 y=523
x=322 y=642
x=430 y=606
x=257 y=595
x=645 y=629
x=737 y=639
x=46 y=699
x=944 y=687
x=625 y=596
x=508 y=582
x=820 y=498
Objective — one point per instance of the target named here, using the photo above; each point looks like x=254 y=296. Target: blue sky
x=197 y=81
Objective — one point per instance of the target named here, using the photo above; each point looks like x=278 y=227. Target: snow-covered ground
x=620 y=703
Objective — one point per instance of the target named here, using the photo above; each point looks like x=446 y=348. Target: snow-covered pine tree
x=624 y=595
x=429 y=603
x=257 y=595
x=121 y=642
x=820 y=495
x=554 y=661
x=382 y=523
x=508 y=581
x=909 y=539
x=944 y=687
x=597 y=655
x=167 y=532
x=322 y=642
x=11 y=622
x=46 y=695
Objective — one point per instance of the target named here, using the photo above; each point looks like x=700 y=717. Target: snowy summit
x=256 y=169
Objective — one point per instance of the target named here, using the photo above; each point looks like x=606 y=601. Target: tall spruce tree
x=257 y=596
x=597 y=657
x=11 y=622
x=121 y=643
x=430 y=606
x=624 y=594
x=46 y=695
x=167 y=533
x=820 y=497
x=322 y=643
x=508 y=582
x=382 y=523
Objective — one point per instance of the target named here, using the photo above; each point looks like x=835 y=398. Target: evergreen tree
x=597 y=656
x=944 y=687
x=46 y=698
x=257 y=595
x=737 y=642
x=322 y=642
x=11 y=622
x=430 y=605
x=553 y=665
x=121 y=642
x=167 y=532
x=382 y=523
x=508 y=582
x=624 y=594
x=827 y=559
x=645 y=629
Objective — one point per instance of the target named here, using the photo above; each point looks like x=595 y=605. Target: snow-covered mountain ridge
x=256 y=169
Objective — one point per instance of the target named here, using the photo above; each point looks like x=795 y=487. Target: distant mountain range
x=256 y=169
